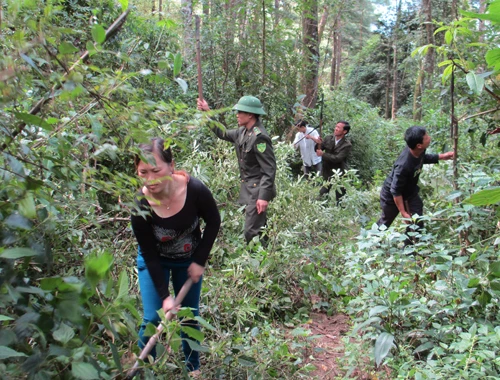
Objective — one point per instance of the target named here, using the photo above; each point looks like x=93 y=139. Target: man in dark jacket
x=256 y=161
x=399 y=193
x=334 y=150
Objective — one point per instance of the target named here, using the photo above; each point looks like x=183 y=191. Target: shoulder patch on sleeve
x=257 y=131
x=261 y=147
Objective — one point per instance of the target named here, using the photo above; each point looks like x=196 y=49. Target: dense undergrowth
x=68 y=287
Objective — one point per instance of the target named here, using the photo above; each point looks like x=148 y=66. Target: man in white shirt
x=305 y=142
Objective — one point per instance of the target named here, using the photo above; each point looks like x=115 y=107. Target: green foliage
x=68 y=286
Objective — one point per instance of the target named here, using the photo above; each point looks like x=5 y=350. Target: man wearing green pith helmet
x=256 y=161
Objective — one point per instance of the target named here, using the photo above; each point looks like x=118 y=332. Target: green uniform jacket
x=256 y=160
x=335 y=156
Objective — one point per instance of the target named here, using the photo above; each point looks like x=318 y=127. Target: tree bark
x=429 y=28
x=335 y=53
x=454 y=12
x=160 y=9
x=394 y=107
x=311 y=53
x=322 y=23
x=206 y=7
x=276 y=12
x=263 y=42
x=481 y=26
x=387 y=83
x=417 y=94
x=187 y=18
x=338 y=56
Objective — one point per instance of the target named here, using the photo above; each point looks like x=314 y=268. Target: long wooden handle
x=152 y=340
x=198 y=56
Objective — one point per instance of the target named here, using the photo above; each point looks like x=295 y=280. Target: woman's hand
x=195 y=271
x=168 y=304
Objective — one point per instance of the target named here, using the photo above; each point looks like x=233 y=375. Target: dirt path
x=329 y=348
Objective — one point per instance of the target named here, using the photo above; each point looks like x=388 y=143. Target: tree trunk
x=206 y=7
x=387 y=83
x=187 y=19
x=333 y=70
x=322 y=23
x=336 y=53
x=338 y=56
x=454 y=13
x=160 y=8
x=394 y=107
x=417 y=94
x=394 y=80
x=429 y=28
x=310 y=37
x=263 y=42
x=153 y=8
x=276 y=12
x=481 y=26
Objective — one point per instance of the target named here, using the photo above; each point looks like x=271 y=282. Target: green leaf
x=378 y=310
x=182 y=83
x=63 y=334
x=6 y=352
x=196 y=347
x=98 y=33
x=383 y=345
x=193 y=333
x=473 y=282
x=204 y=323
x=30 y=62
x=446 y=73
x=17 y=253
x=67 y=48
x=5 y=318
x=97 y=267
x=177 y=64
x=484 y=298
x=495 y=268
x=84 y=371
x=33 y=120
x=124 y=4
x=448 y=37
x=27 y=206
x=484 y=197
x=123 y=285
x=493 y=58
x=246 y=361
x=475 y=82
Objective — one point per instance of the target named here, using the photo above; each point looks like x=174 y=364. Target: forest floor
x=328 y=348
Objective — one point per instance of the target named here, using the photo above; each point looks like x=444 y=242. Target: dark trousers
x=413 y=205
x=254 y=223
x=312 y=169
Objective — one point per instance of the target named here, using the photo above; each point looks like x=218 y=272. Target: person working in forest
x=166 y=225
x=304 y=141
x=334 y=150
x=399 y=194
x=256 y=161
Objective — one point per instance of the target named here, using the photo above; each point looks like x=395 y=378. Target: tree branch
x=110 y=32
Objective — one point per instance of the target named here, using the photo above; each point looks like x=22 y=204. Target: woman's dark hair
x=157 y=145
x=414 y=135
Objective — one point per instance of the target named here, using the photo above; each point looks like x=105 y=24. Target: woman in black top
x=167 y=228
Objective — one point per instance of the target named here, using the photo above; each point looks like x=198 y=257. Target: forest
x=331 y=295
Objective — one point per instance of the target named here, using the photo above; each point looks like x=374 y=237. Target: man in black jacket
x=334 y=150
x=399 y=193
